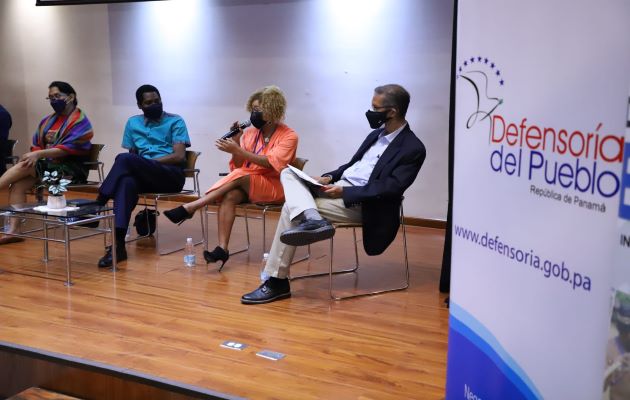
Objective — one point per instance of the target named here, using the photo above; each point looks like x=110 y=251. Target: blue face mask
x=58 y=105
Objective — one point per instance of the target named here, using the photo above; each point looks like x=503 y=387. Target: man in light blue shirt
x=154 y=139
x=157 y=143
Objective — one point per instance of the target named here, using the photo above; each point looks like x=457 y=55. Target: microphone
x=242 y=125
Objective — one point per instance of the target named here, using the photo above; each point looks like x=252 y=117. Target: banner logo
x=484 y=76
x=566 y=164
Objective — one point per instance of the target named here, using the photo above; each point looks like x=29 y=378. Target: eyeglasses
x=56 y=96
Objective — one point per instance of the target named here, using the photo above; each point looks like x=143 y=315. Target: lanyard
x=262 y=146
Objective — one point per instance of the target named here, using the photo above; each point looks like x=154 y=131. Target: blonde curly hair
x=271 y=100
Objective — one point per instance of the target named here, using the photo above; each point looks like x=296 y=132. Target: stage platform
x=160 y=324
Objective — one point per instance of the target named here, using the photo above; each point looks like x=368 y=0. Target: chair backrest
x=7 y=150
x=191 y=162
x=299 y=163
x=11 y=146
x=93 y=158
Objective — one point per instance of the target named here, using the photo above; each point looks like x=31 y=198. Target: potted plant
x=57 y=185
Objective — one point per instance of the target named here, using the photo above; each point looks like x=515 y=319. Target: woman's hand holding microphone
x=231 y=144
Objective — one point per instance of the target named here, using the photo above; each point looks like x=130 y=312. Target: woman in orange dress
x=258 y=155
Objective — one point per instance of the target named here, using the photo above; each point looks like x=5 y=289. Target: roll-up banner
x=540 y=290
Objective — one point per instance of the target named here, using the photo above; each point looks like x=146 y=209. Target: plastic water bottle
x=7 y=221
x=189 y=253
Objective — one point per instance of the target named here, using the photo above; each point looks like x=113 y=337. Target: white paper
x=303 y=176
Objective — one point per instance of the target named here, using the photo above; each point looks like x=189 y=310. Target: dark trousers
x=4 y=154
x=131 y=175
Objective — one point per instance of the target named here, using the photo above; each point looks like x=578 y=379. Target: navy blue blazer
x=5 y=125
x=380 y=198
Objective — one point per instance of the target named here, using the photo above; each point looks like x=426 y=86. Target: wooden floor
x=155 y=316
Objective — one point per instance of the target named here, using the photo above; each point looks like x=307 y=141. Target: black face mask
x=376 y=118
x=154 y=111
x=257 y=119
x=58 y=105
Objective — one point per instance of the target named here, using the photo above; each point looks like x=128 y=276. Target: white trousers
x=299 y=198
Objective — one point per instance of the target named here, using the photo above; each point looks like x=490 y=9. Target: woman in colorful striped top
x=61 y=142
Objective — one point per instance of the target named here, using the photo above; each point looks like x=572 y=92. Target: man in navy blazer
x=368 y=189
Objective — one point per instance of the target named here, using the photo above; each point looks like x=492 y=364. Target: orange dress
x=264 y=183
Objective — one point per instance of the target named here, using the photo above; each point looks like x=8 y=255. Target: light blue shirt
x=359 y=173
x=154 y=139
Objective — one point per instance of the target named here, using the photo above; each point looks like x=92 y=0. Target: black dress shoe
x=107 y=260
x=271 y=290
x=309 y=231
x=218 y=254
x=177 y=215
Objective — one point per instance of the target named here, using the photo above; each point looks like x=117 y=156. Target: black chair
x=8 y=152
x=93 y=163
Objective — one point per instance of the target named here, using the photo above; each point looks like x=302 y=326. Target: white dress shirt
x=359 y=173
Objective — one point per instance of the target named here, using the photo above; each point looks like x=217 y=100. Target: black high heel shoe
x=178 y=215
x=218 y=254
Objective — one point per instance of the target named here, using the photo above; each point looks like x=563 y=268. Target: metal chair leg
x=247 y=228
x=303 y=258
x=342 y=271
x=405 y=285
x=205 y=221
x=264 y=233
x=356 y=251
x=108 y=223
x=246 y=248
x=264 y=240
x=45 y=227
x=157 y=228
x=111 y=223
x=157 y=232
x=207 y=239
x=203 y=230
x=66 y=239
